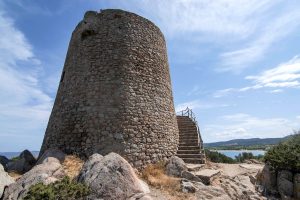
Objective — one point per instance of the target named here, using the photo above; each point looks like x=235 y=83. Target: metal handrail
x=189 y=113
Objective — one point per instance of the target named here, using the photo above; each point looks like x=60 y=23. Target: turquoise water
x=233 y=153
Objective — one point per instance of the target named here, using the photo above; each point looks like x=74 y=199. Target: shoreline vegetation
x=217 y=157
x=274 y=153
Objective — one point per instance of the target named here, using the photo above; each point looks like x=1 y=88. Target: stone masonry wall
x=115 y=91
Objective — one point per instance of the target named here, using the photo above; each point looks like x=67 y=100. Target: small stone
x=187 y=187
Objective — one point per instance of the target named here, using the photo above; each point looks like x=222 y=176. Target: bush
x=64 y=190
x=285 y=155
x=247 y=156
x=217 y=157
x=15 y=158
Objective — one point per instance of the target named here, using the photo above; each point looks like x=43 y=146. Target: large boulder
x=285 y=183
x=52 y=153
x=47 y=172
x=297 y=186
x=23 y=163
x=175 y=166
x=267 y=179
x=4 y=161
x=5 y=180
x=112 y=177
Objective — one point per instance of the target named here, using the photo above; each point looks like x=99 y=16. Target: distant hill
x=246 y=142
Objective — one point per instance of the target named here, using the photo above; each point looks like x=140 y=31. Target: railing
x=189 y=113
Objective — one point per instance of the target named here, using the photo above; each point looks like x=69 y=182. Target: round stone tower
x=115 y=91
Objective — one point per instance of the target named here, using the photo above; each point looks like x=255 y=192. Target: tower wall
x=115 y=91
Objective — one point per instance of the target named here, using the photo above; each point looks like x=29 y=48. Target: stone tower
x=115 y=91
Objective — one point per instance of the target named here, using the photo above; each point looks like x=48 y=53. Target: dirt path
x=238 y=169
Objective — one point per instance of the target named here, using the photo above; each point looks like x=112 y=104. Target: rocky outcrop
x=297 y=186
x=47 y=172
x=52 y=153
x=5 y=180
x=23 y=163
x=285 y=183
x=4 y=161
x=267 y=179
x=190 y=176
x=112 y=177
x=175 y=166
x=207 y=175
x=204 y=192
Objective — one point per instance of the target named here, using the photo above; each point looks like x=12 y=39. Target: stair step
x=188 y=138
x=189 y=142
x=190 y=155
x=194 y=160
x=188 y=147
x=197 y=151
x=188 y=135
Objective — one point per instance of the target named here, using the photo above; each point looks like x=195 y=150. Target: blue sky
x=236 y=63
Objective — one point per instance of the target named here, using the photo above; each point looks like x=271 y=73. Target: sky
x=236 y=63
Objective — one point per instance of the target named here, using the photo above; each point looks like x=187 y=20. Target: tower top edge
x=118 y=13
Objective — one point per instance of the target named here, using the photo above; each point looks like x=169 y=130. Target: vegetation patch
x=65 y=189
x=247 y=156
x=286 y=155
x=217 y=157
x=16 y=158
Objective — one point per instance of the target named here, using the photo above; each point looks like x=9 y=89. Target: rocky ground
x=224 y=181
x=112 y=177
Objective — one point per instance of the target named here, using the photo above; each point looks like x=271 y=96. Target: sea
x=10 y=155
x=233 y=153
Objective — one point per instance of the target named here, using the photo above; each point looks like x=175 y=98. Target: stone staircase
x=190 y=147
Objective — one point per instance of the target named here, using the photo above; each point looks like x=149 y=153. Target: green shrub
x=59 y=190
x=15 y=158
x=285 y=155
x=248 y=155
x=217 y=157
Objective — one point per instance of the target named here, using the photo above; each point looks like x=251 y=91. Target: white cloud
x=221 y=18
x=24 y=107
x=276 y=91
x=277 y=29
x=196 y=104
x=242 y=125
x=224 y=92
x=285 y=75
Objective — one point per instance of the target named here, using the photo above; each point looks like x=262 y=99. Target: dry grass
x=15 y=175
x=72 y=166
x=155 y=176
